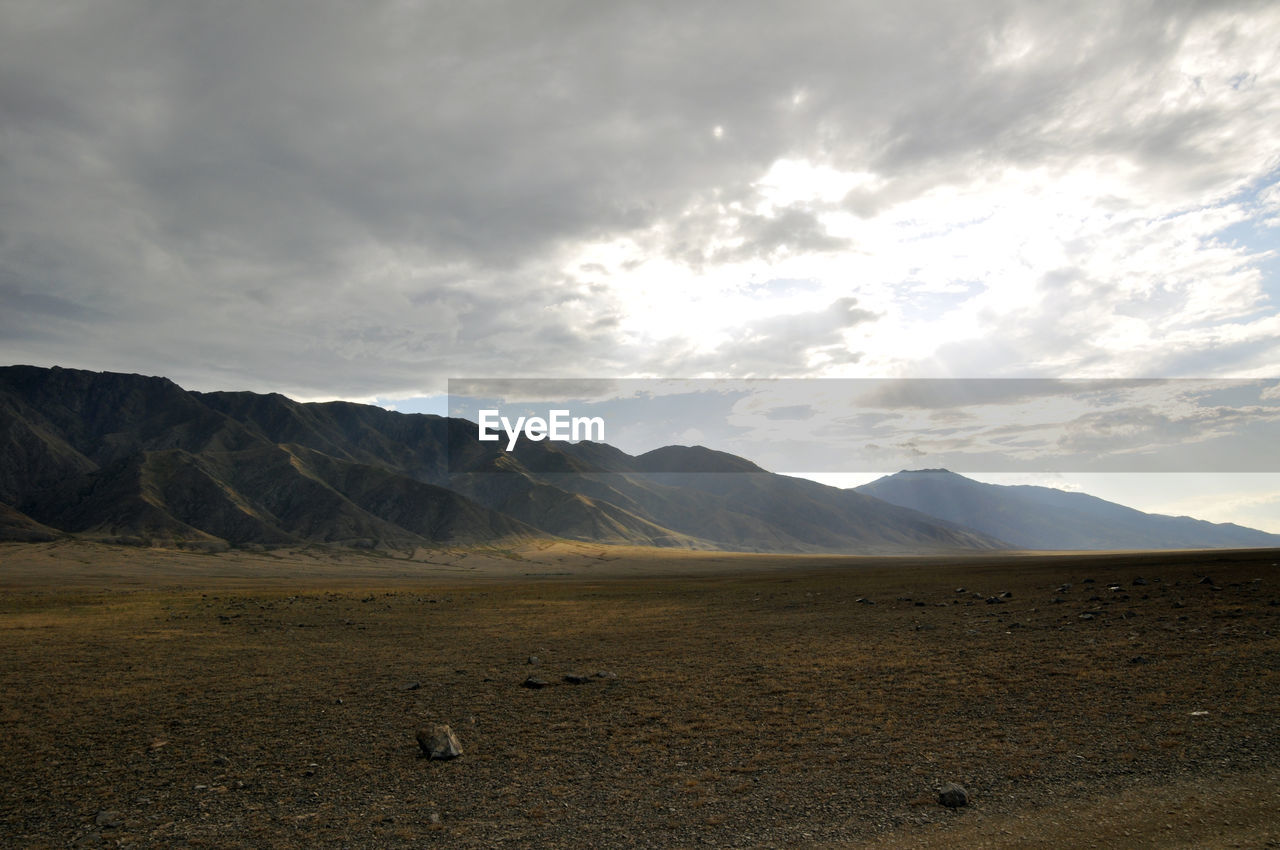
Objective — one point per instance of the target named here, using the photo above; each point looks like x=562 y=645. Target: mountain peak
x=1032 y=517
x=692 y=459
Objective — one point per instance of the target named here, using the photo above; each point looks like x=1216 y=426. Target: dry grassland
x=166 y=699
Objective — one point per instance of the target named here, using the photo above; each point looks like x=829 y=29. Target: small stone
x=994 y=600
x=1086 y=616
x=435 y=817
x=606 y=674
x=534 y=660
x=1004 y=594
x=1138 y=659
x=108 y=819
x=412 y=686
x=960 y=590
x=1206 y=580
x=1064 y=588
x=533 y=683
x=953 y=796
x=576 y=678
x=439 y=742
x=1139 y=581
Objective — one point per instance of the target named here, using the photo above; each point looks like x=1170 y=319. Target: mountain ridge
x=1045 y=518
x=138 y=459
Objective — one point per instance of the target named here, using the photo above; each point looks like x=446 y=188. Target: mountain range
x=1030 y=517
x=134 y=459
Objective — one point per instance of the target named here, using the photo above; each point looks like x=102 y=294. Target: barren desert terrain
x=158 y=698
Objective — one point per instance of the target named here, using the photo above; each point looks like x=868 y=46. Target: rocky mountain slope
x=135 y=459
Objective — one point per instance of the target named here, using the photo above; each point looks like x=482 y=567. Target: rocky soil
x=1079 y=701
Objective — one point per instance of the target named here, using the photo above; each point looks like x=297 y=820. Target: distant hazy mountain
x=136 y=459
x=1043 y=518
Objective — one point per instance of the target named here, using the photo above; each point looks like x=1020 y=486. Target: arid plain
x=156 y=698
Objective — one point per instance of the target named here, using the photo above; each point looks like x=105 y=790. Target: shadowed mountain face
x=1043 y=518
x=140 y=460
x=135 y=459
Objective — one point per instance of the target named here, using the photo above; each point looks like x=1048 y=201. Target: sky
x=365 y=200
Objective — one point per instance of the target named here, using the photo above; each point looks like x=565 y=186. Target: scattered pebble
x=953 y=796
x=108 y=819
x=439 y=742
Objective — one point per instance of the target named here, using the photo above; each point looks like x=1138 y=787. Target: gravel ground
x=1083 y=701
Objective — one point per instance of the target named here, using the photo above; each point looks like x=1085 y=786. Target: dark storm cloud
x=339 y=198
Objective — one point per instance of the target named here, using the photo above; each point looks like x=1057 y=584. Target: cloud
x=322 y=198
x=791 y=412
x=776 y=346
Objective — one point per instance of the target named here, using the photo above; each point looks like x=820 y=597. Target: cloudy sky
x=363 y=200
